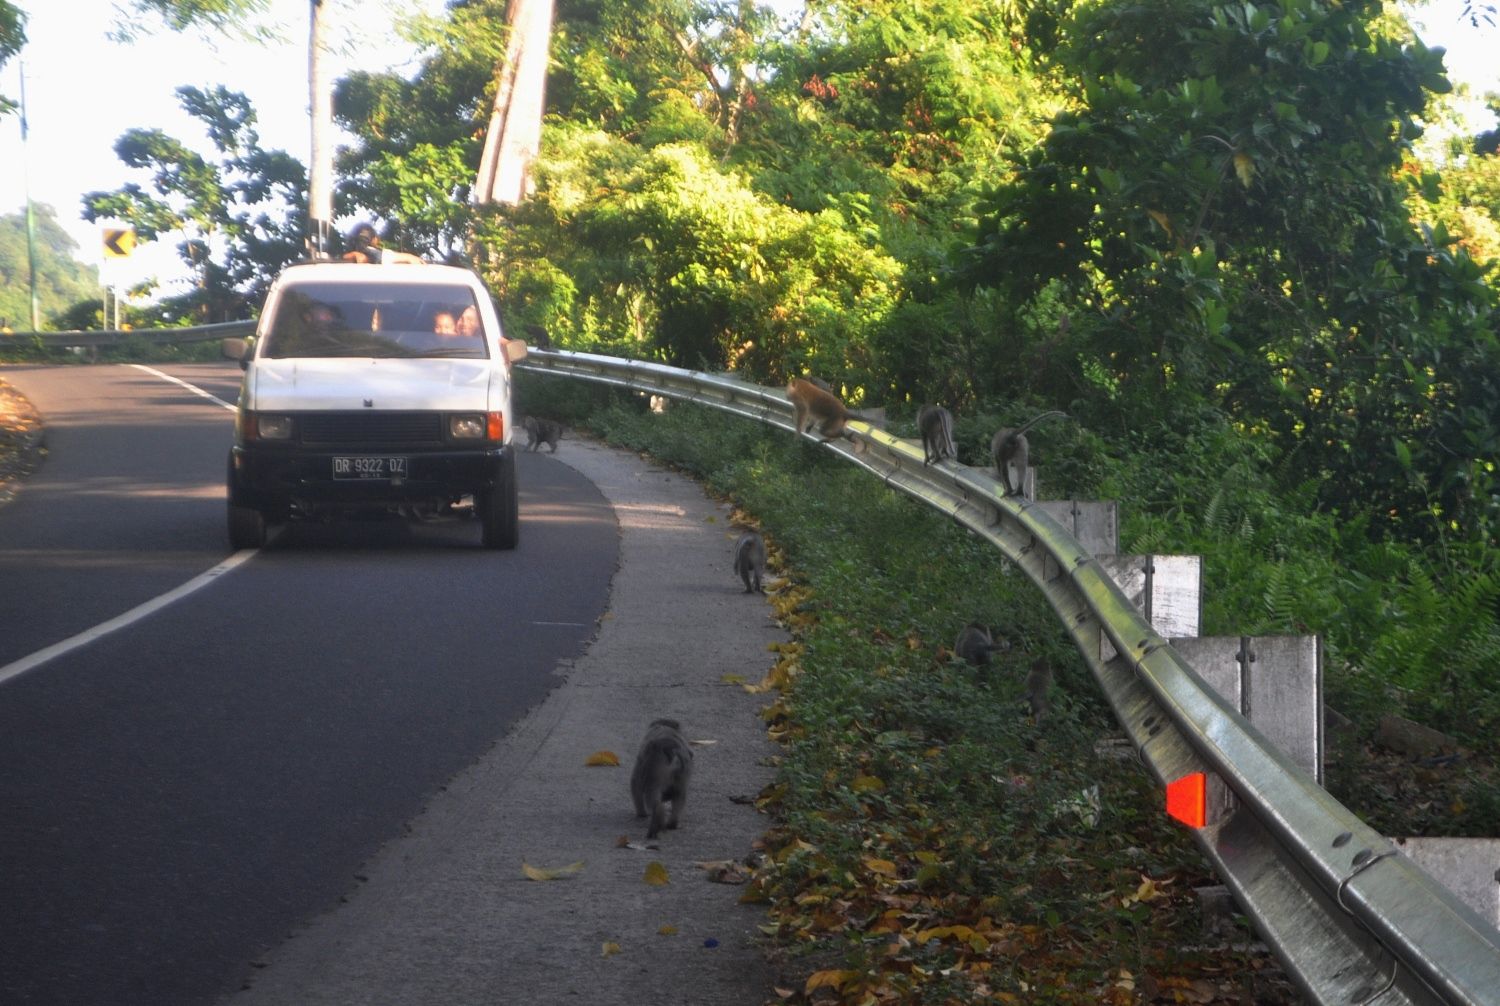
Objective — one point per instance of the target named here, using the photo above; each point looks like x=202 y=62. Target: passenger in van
x=443 y=323
x=364 y=246
x=468 y=322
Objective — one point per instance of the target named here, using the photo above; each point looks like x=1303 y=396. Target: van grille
x=371 y=427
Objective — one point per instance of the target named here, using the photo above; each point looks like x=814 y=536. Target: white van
x=375 y=388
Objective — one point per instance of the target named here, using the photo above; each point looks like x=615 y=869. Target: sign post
x=119 y=242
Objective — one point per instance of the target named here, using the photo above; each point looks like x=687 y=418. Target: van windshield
x=319 y=320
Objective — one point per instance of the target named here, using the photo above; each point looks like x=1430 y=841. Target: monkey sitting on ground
x=660 y=776
x=935 y=424
x=817 y=406
x=541 y=431
x=1010 y=447
x=975 y=644
x=750 y=560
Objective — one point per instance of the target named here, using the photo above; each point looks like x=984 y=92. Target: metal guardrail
x=112 y=336
x=1353 y=921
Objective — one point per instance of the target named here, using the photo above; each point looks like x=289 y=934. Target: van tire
x=499 y=508
x=247 y=527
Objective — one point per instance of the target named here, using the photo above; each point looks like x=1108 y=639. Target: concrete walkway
x=447 y=918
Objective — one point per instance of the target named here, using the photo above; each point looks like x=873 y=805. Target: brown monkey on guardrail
x=816 y=406
x=935 y=424
x=750 y=560
x=660 y=776
x=1010 y=447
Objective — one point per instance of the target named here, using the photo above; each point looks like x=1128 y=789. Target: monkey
x=750 y=560
x=1038 y=681
x=975 y=644
x=1010 y=447
x=815 y=406
x=935 y=424
x=538 y=336
x=662 y=768
x=542 y=431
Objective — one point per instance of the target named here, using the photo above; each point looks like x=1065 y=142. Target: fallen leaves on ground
x=656 y=875
x=602 y=758
x=552 y=872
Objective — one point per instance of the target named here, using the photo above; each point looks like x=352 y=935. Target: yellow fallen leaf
x=667 y=931
x=828 y=979
x=732 y=679
x=867 y=784
x=550 y=873
x=610 y=949
x=656 y=875
x=602 y=758
x=884 y=867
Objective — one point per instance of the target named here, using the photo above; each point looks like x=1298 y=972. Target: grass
x=933 y=844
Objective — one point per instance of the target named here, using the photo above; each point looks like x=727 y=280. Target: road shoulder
x=446 y=914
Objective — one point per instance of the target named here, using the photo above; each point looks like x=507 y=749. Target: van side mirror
x=515 y=350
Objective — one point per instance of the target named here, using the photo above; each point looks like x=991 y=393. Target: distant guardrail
x=1353 y=921
x=113 y=336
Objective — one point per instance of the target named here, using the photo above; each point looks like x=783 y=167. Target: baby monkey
x=750 y=560
x=975 y=644
x=542 y=431
x=1010 y=447
x=660 y=776
x=820 y=407
x=935 y=424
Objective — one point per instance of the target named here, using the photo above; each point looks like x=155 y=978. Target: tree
x=12 y=38
x=62 y=280
x=180 y=15
x=1222 y=209
x=243 y=215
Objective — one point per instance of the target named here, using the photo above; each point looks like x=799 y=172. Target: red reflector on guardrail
x=1187 y=799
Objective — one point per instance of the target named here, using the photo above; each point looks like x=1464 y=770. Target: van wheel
x=500 y=509
x=247 y=527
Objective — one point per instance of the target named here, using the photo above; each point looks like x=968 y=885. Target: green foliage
x=223 y=16
x=252 y=199
x=62 y=280
x=12 y=38
x=664 y=253
x=1220 y=212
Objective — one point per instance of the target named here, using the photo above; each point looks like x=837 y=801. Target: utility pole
x=30 y=213
x=320 y=160
x=514 y=135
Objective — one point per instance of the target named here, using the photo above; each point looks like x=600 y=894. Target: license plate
x=370 y=467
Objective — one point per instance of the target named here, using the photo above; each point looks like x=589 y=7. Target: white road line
x=140 y=611
x=19 y=667
x=194 y=389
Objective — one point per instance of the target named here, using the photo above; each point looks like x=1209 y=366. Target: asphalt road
x=180 y=794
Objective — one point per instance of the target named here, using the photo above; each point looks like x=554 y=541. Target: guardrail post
x=1168 y=589
x=1469 y=867
x=1095 y=524
x=1276 y=682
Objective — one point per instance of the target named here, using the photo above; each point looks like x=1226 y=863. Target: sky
x=84 y=90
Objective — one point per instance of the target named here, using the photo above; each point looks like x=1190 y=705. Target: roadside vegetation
x=1244 y=247
x=932 y=842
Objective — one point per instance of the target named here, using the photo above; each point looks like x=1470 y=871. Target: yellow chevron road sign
x=118 y=242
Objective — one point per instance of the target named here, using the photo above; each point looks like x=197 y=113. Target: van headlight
x=272 y=427
x=468 y=426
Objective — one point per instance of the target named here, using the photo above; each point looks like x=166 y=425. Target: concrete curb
x=446 y=915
